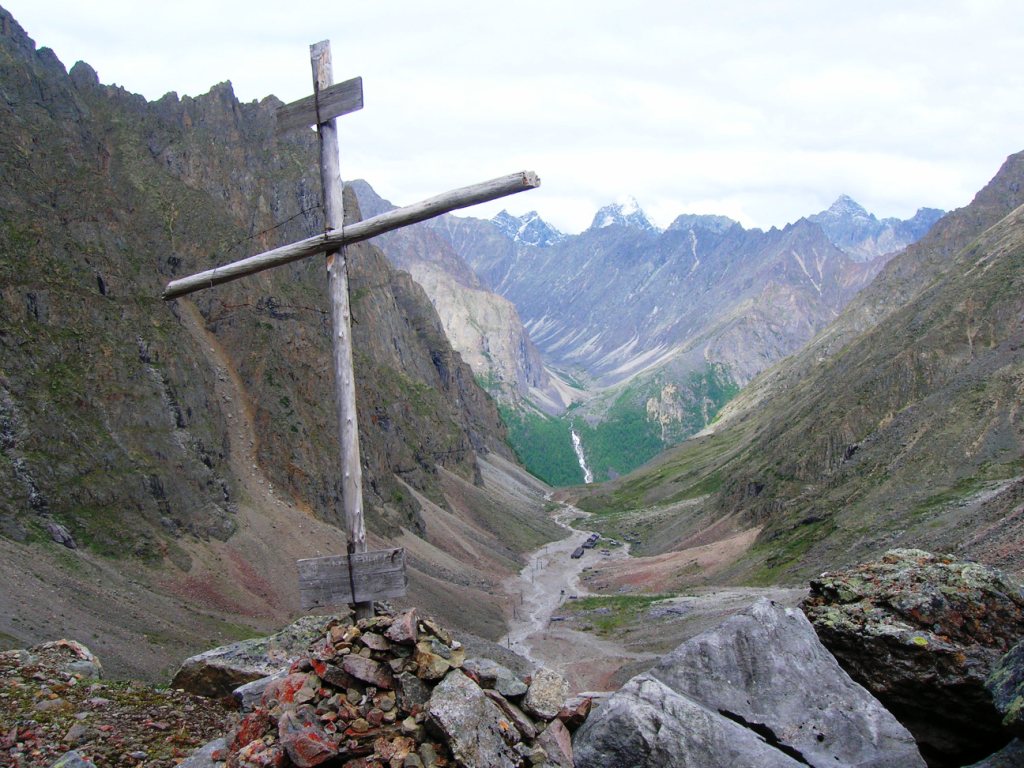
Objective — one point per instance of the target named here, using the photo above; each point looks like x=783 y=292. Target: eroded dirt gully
x=549 y=579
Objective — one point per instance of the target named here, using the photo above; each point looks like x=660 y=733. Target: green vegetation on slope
x=629 y=431
x=606 y=614
x=543 y=444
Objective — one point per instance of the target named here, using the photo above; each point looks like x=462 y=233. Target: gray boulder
x=648 y=725
x=72 y=759
x=759 y=690
x=475 y=729
x=218 y=672
x=211 y=755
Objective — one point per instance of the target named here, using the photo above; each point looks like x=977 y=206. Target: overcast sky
x=762 y=111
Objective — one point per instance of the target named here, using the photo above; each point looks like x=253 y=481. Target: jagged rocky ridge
x=862 y=235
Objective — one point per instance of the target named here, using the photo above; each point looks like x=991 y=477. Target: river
x=549 y=579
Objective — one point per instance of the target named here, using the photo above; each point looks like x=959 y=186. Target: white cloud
x=769 y=110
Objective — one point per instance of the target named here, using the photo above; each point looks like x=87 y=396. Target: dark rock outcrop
x=760 y=690
x=1010 y=756
x=922 y=632
x=1006 y=684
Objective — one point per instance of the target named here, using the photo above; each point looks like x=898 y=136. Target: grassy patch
x=784 y=551
x=607 y=614
x=544 y=446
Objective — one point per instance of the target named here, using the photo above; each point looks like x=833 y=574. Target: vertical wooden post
x=348 y=425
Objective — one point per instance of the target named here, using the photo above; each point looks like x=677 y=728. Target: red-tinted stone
x=260 y=755
x=574 y=716
x=251 y=727
x=303 y=738
x=403 y=628
x=557 y=742
x=284 y=690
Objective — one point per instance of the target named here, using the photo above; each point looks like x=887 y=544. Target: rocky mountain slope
x=181 y=456
x=862 y=235
x=482 y=325
x=900 y=424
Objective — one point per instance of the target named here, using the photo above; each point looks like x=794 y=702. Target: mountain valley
x=826 y=391
x=633 y=338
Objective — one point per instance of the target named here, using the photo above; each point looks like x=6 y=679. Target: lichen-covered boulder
x=546 y=695
x=923 y=632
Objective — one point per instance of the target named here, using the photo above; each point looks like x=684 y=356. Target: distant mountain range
x=643 y=332
x=864 y=236
x=899 y=424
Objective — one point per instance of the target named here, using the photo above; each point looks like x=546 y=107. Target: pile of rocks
x=398 y=692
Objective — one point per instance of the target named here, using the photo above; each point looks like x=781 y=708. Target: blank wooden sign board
x=372 y=576
x=360 y=577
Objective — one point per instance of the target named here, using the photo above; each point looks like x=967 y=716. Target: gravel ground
x=47 y=709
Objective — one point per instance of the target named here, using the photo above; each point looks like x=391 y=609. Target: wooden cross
x=359 y=577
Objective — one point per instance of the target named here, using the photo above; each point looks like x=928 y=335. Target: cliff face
x=131 y=428
x=483 y=326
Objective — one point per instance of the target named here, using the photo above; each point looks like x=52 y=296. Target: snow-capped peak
x=846 y=207
x=529 y=229
x=624 y=213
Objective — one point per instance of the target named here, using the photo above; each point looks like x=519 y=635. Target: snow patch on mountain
x=624 y=213
x=528 y=229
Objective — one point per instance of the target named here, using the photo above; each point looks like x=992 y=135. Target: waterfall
x=577 y=445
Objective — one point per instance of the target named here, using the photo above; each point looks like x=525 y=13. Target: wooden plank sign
x=375 y=575
x=334 y=101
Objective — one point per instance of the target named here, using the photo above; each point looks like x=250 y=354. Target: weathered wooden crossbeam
x=375 y=576
x=354 y=233
x=335 y=101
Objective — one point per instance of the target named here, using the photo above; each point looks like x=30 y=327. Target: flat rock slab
x=476 y=730
x=218 y=672
x=758 y=690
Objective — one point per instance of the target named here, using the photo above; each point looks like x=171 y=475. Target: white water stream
x=577 y=445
